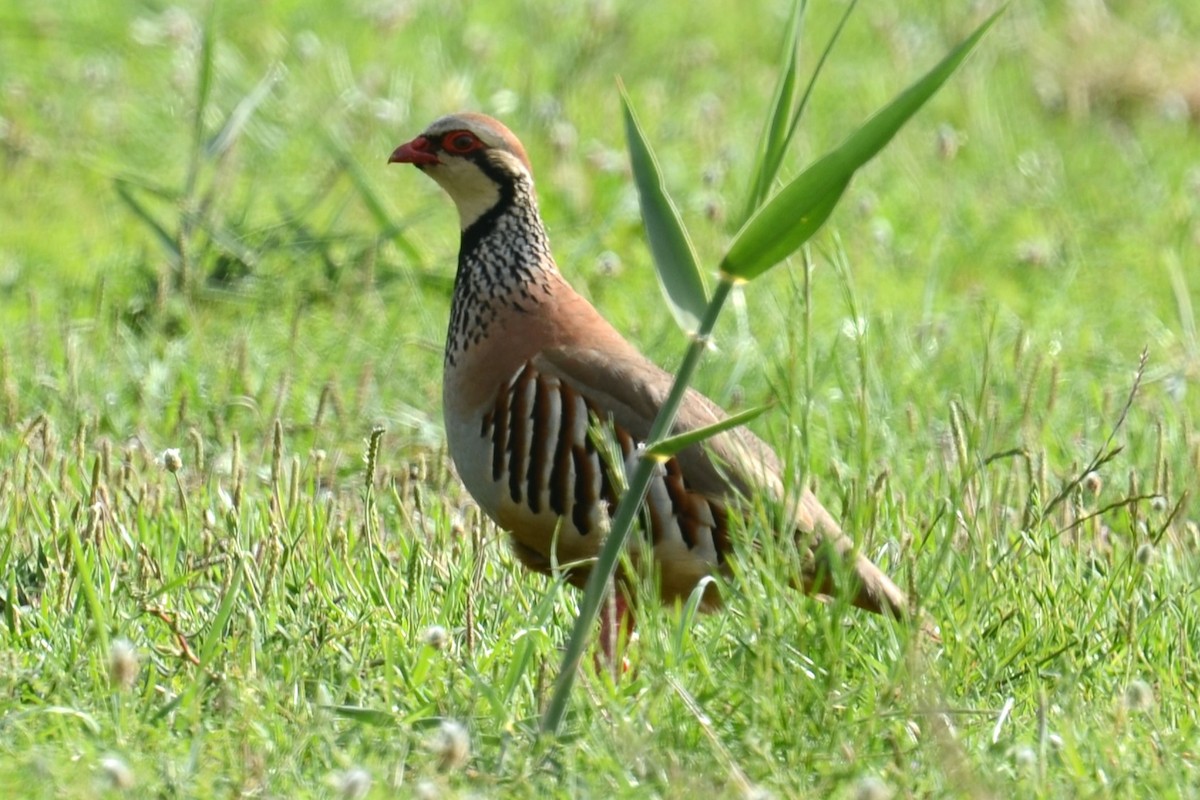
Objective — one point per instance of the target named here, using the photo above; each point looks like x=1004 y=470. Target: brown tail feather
x=877 y=593
x=873 y=590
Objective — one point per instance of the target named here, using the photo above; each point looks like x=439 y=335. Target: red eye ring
x=460 y=142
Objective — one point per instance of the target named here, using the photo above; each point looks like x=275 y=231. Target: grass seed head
x=1024 y=757
x=171 y=460
x=427 y=790
x=872 y=788
x=122 y=665
x=1139 y=696
x=435 y=636
x=352 y=784
x=948 y=142
x=608 y=264
x=117 y=773
x=451 y=744
x=753 y=792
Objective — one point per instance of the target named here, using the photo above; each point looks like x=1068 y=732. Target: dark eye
x=460 y=142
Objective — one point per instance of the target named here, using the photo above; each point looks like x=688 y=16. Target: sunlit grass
x=976 y=329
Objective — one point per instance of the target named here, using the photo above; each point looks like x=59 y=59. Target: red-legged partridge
x=529 y=361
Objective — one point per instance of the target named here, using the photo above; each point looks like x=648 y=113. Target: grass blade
x=203 y=92
x=10 y=601
x=235 y=123
x=228 y=241
x=366 y=716
x=791 y=217
x=675 y=259
x=780 y=132
x=777 y=132
x=812 y=81
x=216 y=631
x=91 y=598
x=668 y=447
x=189 y=698
x=168 y=242
x=370 y=199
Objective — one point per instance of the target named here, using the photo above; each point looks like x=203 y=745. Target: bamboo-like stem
x=626 y=513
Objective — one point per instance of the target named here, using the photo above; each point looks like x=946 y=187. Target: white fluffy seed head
x=1139 y=696
x=754 y=792
x=1025 y=757
x=353 y=784
x=171 y=460
x=435 y=636
x=117 y=773
x=428 y=790
x=122 y=664
x=451 y=744
x=872 y=788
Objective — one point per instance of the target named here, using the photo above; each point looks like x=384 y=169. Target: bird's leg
x=616 y=628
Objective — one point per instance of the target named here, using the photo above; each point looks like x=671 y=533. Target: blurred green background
x=1053 y=185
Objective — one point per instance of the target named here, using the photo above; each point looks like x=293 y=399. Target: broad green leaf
x=675 y=259
x=788 y=219
x=668 y=447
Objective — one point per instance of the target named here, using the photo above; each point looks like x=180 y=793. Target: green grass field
x=203 y=251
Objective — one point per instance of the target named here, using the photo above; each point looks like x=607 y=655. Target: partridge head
x=529 y=363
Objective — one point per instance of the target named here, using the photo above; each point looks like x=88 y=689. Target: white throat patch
x=472 y=190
